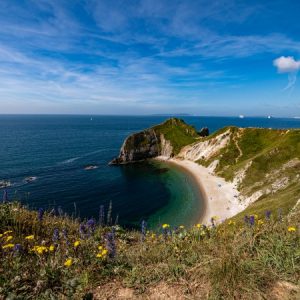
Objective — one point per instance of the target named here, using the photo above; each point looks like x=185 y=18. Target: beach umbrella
x=5 y=196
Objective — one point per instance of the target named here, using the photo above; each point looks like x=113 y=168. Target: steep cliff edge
x=264 y=164
x=165 y=139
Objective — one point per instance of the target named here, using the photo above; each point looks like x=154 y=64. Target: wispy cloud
x=287 y=64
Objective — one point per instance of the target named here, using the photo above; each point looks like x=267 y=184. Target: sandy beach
x=221 y=197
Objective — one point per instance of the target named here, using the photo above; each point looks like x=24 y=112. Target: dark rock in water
x=161 y=170
x=204 y=132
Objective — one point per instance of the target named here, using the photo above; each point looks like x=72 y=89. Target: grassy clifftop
x=43 y=256
x=265 y=164
x=177 y=132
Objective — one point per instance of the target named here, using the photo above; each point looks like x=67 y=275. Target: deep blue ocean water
x=56 y=150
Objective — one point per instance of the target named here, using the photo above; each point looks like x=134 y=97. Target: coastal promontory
x=165 y=139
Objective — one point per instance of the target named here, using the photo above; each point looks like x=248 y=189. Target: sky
x=137 y=57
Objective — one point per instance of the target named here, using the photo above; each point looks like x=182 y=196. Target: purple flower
x=40 y=214
x=5 y=196
x=143 y=229
x=268 y=214
x=110 y=244
x=55 y=237
x=251 y=220
x=82 y=230
x=17 y=248
x=91 y=223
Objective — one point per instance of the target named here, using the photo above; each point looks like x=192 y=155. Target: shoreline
x=221 y=198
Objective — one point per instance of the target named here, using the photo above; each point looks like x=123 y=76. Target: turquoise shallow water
x=56 y=149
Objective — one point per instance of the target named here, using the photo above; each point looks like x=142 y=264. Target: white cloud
x=286 y=64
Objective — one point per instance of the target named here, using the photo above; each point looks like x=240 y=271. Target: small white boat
x=241 y=116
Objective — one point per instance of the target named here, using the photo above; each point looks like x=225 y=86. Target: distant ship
x=269 y=117
x=241 y=116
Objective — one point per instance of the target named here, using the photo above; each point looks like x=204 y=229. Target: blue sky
x=222 y=57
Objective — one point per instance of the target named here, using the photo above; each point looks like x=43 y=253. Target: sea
x=60 y=163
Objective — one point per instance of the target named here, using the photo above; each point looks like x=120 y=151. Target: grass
x=178 y=133
x=229 y=261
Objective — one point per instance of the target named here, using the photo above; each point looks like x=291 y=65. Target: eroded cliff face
x=139 y=146
x=154 y=142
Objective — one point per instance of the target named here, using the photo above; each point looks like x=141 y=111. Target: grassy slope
x=227 y=262
x=177 y=132
x=268 y=150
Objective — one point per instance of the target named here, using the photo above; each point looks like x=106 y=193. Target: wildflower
x=40 y=214
x=55 y=235
x=91 y=225
x=292 y=229
x=198 y=225
x=153 y=235
x=29 y=237
x=102 y=254
x=181 y=227
x=143 y=229
x=40 y=249
x=82 y=230
x=268 y=214
x=231 y=222
x=76 y=244
x=17 y=248
x=9 y=238
x=68 y=263
x=8 y=246
x=7 y=232
x=51 y=248
x=165 y=226
x=1 y=235
x=260 y=222
x=110 y=244
x=252 y=220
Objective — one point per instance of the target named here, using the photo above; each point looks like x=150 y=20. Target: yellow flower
x=102 y=254
x=256 y=216
x=9 y=238
x=29 y=237
x=100 y=247
x=76 y=244
x=181 y=227
x=40 y=249
x=164 y=226
x=231 y=222
x=291 y=229
x=260 y=222
x=7 y=232
x=51 y=248
x=198 y=225
x=1 y=235
x=68 y=263
x=153 y=235
x=8 y=246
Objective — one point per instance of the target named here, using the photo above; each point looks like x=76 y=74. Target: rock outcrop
x=165 y=140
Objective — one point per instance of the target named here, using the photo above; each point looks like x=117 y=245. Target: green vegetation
x=270 y=160
x=43 y=256
x=177 y=132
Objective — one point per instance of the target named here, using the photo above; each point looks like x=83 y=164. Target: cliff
x=264 y=164
x=165 y=139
